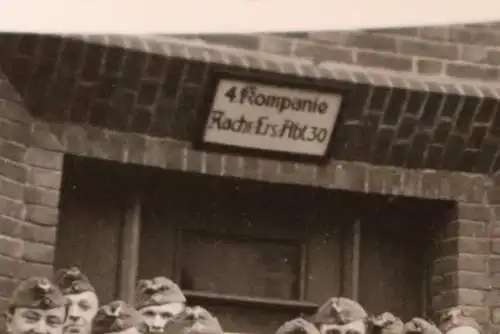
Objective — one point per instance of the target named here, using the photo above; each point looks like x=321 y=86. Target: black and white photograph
x=303 y=182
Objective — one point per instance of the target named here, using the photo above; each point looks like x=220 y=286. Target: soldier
x=297 y=326
x=387 y=323
x=36 y=306
x=341 y=315
x=82 y=297
x=421 y=326
x=195 y=320
x=117 y=317
x=455 y=321
x=158 y=300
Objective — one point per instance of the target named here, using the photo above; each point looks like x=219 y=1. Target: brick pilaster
x=494 y=248
x=460 y=270
x=14 y=226
x=29 y=196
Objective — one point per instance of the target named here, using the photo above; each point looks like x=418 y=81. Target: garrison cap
x=340 y=311
x=157 y=291
x=194 y=320
x=297 y=326
x=37 y=292
x=388 y=323
x=455 y=318
x=115 y=317
x=72 y=281
x=421 y=326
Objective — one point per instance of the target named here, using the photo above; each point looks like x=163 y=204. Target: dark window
x=225 y=264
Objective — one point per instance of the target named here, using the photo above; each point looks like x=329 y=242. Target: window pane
x=240 y=266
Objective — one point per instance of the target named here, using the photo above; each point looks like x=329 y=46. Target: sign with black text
x=271 y=118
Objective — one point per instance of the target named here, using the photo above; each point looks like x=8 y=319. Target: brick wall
x=152 y=88
x=26 y=240
x=469 y=52
x=96 y=100
x=494 y=264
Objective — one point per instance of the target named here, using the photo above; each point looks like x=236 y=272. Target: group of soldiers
x=68 y=304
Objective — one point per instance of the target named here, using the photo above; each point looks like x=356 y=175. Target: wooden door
x=254 y=254
x=92 y=210
x=395 y=241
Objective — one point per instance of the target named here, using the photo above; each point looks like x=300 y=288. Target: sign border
x=215 y=75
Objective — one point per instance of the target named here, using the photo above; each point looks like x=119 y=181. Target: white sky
x=224 y=16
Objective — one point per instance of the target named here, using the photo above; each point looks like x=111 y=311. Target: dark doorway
x=255 y=254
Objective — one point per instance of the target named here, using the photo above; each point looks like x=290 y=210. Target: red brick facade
x=134 y=101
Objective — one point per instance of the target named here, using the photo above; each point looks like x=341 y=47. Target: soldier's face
x=157 y=316
x=463 y=330
x=355 y=327
x=36 y=321
x=82 y=308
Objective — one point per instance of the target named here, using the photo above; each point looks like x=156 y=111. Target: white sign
x=265 y=117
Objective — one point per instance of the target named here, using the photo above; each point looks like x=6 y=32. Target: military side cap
x=297 y=326
x=157 y=291
x=340 y=311
x=194 y=320
x=421 y=326
x=115 y=317
x=72 y=281
x=37 y=292
x=388 y=323
x=455 y=318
